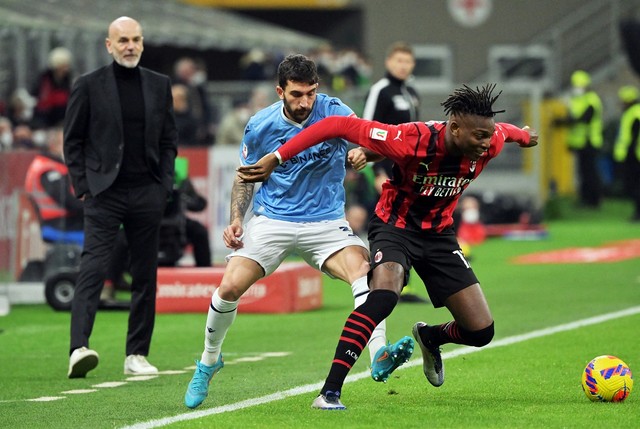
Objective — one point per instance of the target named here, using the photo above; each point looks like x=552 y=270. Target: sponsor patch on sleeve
x=378 y=134
x=245 y=151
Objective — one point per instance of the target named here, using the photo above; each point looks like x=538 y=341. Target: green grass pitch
x=276 y=363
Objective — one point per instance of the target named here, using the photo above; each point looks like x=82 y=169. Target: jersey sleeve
x=510 y=133
x=373 y=135
x=250 y=151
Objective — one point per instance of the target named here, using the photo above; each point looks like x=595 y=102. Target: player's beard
x=298 y=115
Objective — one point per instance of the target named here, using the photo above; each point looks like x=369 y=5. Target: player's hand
x=533 y=137
x=258 y=172
x=232 y=236
x=357 y=158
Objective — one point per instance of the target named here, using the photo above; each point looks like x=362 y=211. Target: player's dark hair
x=472 y=102
x=297 y=68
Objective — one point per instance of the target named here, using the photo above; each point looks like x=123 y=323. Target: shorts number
x=347 y=229
x=464 y=261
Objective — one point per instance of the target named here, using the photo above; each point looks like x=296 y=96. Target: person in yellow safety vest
x=585 y=137
x=626 y=149
x=48 y=183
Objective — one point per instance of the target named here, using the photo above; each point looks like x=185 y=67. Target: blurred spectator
x=585 y=138
x=197 y=233
x=20 y=109
x=351 y=70
x=470 y=230
x=193 y=75
x=254 y=65
x=185 y=120
x=324 y=57
x=185 y=199
x=392 y=100
x=231 y=129
x=53 y=89
x=48 y=181
x=358 y=218
x=627 y=146
x=341 y=70
x=260 y=98
x=23 y=138
x=6 y=134
x=359 y=188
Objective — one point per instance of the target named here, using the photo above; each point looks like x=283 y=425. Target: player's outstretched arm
x=525 y=137
x=328 y=128
x=260 y=171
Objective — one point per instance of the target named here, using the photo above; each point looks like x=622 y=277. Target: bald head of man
x=125 y=41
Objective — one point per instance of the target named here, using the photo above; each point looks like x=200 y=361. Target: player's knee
x=482 y=337
x=229 y=292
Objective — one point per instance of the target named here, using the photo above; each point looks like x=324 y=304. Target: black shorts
x=435 y=256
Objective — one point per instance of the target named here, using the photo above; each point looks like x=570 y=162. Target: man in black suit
x=120 y=143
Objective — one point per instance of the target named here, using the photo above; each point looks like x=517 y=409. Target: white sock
x=218 y=323
x=378 y=339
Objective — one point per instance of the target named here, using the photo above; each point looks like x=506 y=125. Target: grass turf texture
x=533 y=384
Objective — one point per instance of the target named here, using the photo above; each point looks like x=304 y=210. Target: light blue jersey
x=309 y=187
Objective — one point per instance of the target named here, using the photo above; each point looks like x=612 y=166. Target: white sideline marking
x=45 y=399
x=109 y=384
x=141 y=377
x=78 y=391
x=365 y=374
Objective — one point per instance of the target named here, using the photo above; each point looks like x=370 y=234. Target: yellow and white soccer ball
x=607 y=379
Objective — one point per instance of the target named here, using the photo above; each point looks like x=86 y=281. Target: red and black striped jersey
x=427 y=180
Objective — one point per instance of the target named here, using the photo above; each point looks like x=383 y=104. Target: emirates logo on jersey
x=439 y=186
x=377 y=257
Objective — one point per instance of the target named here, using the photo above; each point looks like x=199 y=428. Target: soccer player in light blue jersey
x=291 y=217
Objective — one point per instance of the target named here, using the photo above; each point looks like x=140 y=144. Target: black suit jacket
x=93 y=136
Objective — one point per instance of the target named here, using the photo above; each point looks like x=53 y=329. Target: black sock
x=355 y=335
x=451 y=332
x=442 y=334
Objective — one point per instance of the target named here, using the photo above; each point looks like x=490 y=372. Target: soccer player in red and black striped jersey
x=413 y=224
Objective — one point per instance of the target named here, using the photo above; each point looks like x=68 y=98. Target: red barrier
x=291 y=288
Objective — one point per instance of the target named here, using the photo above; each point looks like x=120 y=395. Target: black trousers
x=139 y=210
x=198 y=236
x=590 y=183
x=631 y=180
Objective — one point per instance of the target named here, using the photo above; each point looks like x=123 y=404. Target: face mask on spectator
x=6 y=139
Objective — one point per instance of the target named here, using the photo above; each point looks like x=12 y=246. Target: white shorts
x=269 y=241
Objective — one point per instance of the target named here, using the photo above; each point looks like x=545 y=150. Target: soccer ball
x=607 y=379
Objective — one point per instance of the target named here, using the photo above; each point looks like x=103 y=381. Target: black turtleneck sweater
x=134 y=171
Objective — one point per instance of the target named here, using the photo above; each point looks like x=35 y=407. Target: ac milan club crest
x=470 y=13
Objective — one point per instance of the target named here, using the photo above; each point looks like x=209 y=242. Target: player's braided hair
x=466 y=100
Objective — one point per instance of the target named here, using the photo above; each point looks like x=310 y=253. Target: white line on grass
x=365 y=374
